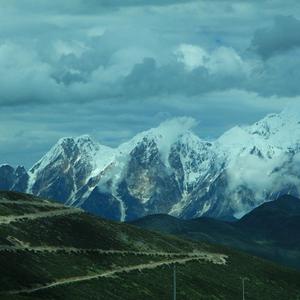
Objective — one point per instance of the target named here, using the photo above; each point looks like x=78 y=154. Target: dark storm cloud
x=148 y=79
x=278 y=76
x=281 y=37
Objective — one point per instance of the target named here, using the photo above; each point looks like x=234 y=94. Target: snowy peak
x=171 y=138
x=164 y=136
x=196 y=156
x=169 y=169
x=268 y=126
x=239 y=142
x=72 y=163
x=278 y=129
x=273 y=136
x=191 y=139
x=82 y=149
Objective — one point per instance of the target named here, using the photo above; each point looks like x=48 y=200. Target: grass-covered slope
x=270 y=231
x=278 y=221
x=55 y=252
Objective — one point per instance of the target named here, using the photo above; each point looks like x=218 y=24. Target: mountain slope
x=13 y=179
x=270 y=231
x=69 y=170
x=277 y=221
x=78 y=256
x=168 y=169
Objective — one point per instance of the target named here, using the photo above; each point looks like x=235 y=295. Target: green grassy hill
x=48 y=251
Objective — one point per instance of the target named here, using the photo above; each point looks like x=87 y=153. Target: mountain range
x=170 y=170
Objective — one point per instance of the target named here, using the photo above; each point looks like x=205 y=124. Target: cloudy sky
x=111 y=68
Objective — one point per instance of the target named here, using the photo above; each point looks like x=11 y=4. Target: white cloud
x=169 y=131
x=222 y=60
x=225 y=60
x=191 y=56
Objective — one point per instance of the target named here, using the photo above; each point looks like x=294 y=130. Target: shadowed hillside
x=49 y=251
x=270 y=231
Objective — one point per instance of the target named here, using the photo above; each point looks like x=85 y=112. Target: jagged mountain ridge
x=69 y=169
x=169 y=169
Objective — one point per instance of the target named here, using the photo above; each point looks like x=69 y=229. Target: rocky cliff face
x=169 y=169
x=13 y=179
x=69 y=169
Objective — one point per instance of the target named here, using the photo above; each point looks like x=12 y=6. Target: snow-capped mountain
x=169 y=169
x=69 y=170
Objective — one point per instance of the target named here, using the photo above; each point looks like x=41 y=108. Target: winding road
x=39 y=215
x=210 y=257
x=169 y=257
x=32 y=203
x=70 y=250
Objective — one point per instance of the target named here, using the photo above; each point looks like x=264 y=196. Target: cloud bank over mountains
x=68 y=65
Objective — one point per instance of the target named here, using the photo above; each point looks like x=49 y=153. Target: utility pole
x=243 y=286
x=174 y=282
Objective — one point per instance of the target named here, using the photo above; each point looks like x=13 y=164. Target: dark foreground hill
x=49 y=251
x=270 y=230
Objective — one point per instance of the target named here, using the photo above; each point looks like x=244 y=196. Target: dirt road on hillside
x=39 y=215
x=210 y=257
